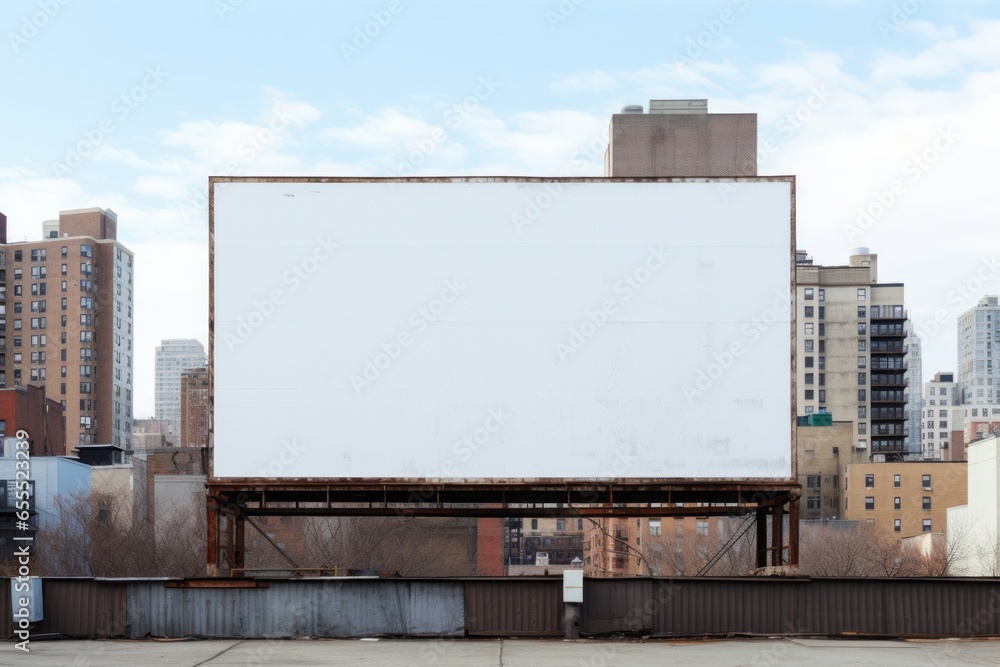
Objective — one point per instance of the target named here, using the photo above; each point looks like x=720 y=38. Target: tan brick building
x=905 y=498
x=67 y=322
x=822 y=453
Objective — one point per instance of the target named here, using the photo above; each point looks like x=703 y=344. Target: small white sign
x=573 y=586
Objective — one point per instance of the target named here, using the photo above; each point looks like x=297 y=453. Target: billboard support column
x=793 y=530
x=212 y=538
x=761 y=537
x=777 y=535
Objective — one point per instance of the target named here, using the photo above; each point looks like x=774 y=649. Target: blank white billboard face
x=503 y=329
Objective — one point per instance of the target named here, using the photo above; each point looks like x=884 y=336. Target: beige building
x=66 y=309
x=906 y=498
x=823 y=451
x=851 y=342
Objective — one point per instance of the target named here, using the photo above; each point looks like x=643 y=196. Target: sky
x=886 y=113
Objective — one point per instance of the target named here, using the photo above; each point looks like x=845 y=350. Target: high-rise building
x=66 y=322
x=194 y=407
x=941 y=415
x=979 y=353
x=173 y=357
x=914 y=385
x=851 y=342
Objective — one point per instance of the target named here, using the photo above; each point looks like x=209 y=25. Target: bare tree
x=98 y=535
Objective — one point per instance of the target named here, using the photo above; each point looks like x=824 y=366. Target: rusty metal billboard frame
x=232 y=500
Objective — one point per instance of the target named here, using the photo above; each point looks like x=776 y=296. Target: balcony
x=890 y=414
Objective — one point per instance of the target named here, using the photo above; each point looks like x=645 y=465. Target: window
x=809 y=345
x=862 y=294
x=810 y=329
x=822 y=395
x=64 y=286
x=895 y=481
x=822 y=294
x=655 y=527
x=808 y=293
x=862 y=412
x=896 y=503
x=822 y=346
x=862 y=345
x=870 y=481
x=65 y=252
x=926 y=525
x=86 y=251
x=86 y=302
x=809 y=311
x=18 y=255
x=869 y=502
x=926 y=503
x=37 y=374
x=65 y=269
x=579 y=524
x=85 y=387
x=862 y=329
x=822 y=329
x=925 y=481
x=809 y=409
x=701 y=528
x=809 y=362
x=560 y=524
x=812 y=503
x=897 y=525
x=813 y=481
x=862 y=428
x=861 y=312
x=822 y=312
x=38 y=255
x=862 y=361
x=862 y=395
x=534 y=524
x=809 y=394
x=862 y=378
x=809 y=378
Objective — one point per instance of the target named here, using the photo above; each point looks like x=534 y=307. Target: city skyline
x=883 y=113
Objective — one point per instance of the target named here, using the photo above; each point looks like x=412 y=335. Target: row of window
x=40 y=340
x=897 y=480
x=41 y=254
x=897 y=503
x=86 y=319
x=809 y=293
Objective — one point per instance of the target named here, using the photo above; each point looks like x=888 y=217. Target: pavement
x=505 y=653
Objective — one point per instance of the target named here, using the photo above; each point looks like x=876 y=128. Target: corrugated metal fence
x=528 y=606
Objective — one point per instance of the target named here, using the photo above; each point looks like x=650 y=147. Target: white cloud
x=592 y=81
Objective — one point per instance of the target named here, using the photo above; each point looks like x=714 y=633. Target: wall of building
x=948 y=488
x=822 y=453
x=973 y=528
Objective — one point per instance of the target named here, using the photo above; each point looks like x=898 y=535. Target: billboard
x=502 y=329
